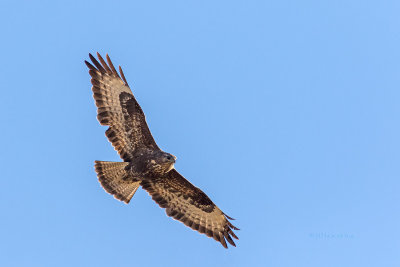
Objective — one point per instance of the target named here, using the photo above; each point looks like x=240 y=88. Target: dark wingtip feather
x=232 y=234
x=104 y=63
x=122 y=75
x=222 y=240
x=111 y=66
x=230 y=218
x=232 y=226
x=90 y=66
x=97 y=64
x=229 y=239
x=92 y=58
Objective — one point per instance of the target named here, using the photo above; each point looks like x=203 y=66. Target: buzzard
x=144 y=163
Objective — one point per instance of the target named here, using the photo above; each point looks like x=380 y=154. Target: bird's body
x=145 y=164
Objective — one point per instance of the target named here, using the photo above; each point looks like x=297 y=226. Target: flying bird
x=144 y=163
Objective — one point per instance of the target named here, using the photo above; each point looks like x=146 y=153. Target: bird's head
x=162 y=162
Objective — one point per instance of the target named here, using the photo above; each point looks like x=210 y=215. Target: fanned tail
x=113 y=178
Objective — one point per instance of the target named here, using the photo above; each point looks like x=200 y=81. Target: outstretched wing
x=188 y=204
x=118 y=108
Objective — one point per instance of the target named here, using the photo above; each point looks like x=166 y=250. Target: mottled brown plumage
x=145 y=164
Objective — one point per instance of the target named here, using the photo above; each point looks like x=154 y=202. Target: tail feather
x=112 y=177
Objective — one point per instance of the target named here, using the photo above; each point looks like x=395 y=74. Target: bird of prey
x=144 y=163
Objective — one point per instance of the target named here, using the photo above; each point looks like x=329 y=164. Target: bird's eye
x=168 y=157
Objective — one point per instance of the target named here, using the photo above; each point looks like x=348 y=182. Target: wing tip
x=90 y=66
x=226 y=215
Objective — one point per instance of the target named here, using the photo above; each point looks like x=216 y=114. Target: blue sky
x=286 y=113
